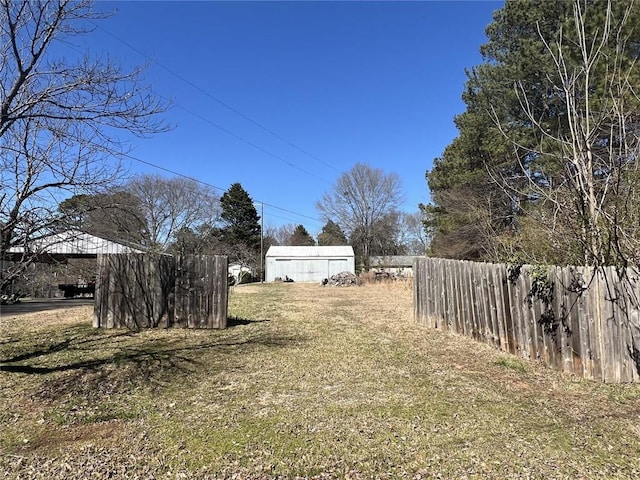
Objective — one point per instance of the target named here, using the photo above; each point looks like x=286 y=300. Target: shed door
x=338 y=265
x=282 y=268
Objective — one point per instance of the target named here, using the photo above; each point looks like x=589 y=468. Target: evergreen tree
x=301 y=237
x=113 y=215
x=331 y=235
x=241 y=223
x=202 y=240
x=469 y=209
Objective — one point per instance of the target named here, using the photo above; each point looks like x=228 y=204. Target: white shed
x=308 y=264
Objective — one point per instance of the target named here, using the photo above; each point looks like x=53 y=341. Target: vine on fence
x=542 y=288
x=577 y=283
x=513 y=272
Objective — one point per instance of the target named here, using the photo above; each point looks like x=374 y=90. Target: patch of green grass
x=622 y=394
x=511 y=363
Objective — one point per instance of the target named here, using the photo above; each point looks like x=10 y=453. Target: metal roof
x=306 y=252
x=74 y=242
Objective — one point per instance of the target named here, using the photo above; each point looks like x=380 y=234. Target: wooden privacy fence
x=576 y=319
x=144 y=291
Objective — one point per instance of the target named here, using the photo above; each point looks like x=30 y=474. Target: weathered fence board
x=590 y=326
x=463 y=299
x=201 y=292
x=145 y=291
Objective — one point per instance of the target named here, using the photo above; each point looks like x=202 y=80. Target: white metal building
x=73 y=243
x=308 y=264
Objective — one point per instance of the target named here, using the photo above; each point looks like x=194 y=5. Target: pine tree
x=331 y=235
x=301 y=237
x=469 y=210
x=240 y=219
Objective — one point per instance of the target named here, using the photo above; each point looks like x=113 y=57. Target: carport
x=75 y=249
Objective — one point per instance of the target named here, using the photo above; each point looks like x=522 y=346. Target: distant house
x=394 y=264
x=308 y=264
x=238 y=271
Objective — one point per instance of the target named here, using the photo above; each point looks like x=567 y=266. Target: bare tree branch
x=59 y=117
x=361 y=199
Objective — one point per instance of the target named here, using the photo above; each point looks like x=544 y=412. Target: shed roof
x=74 y=243
x=291 y=251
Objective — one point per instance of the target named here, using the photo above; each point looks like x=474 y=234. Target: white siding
x=338 y=265
x=308 y=264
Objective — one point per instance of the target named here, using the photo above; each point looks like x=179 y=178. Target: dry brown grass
x=309 y=382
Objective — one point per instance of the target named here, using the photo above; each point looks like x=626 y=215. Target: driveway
x=42 y=304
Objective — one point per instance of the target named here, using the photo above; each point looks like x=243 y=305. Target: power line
x=216 y=99
x=292 y=220
x=238 y=137
x=248 y=142
x=173 y=172
x=202 y=182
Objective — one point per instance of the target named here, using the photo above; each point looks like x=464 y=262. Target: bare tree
x=282 y=234
x=291 y=234
x=360 y=199
x=412 y=234
x=59 y=118
x=170 y=205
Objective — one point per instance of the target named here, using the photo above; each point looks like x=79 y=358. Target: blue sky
x=337 y=83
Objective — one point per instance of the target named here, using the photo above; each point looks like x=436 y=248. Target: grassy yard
x=308 y=382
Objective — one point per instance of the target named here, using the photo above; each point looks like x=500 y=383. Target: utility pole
x=262 y=242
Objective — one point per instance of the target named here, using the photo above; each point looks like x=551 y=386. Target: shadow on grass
x=134 y=354
x=74 y=338
x=92 y=361
x=237 y=321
